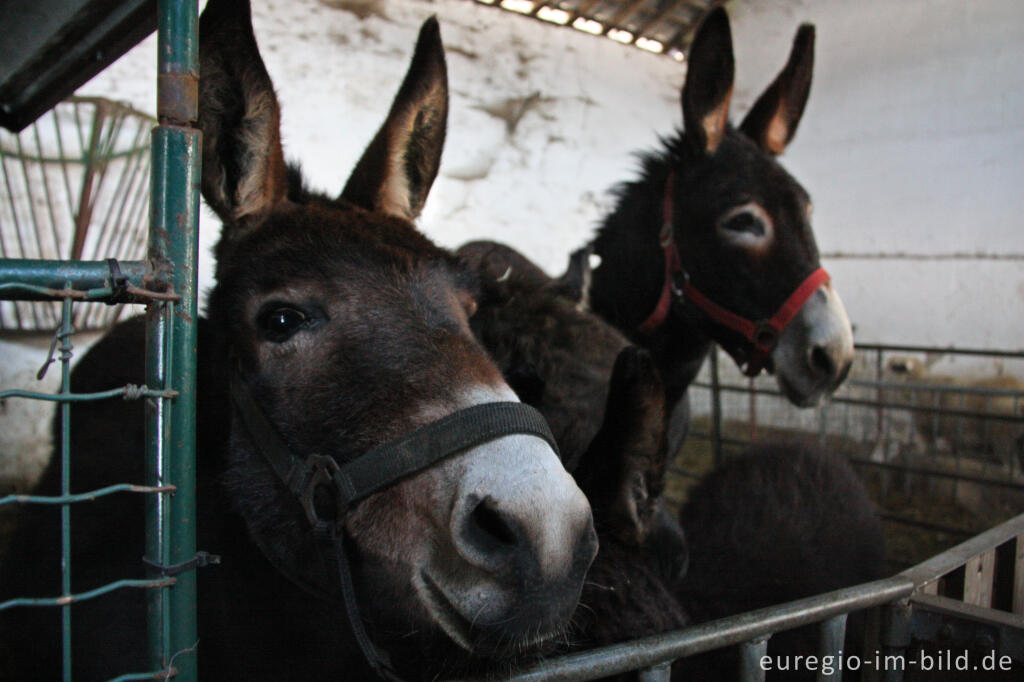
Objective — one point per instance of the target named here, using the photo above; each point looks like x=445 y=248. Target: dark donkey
x=713 y=242
x=334 y=328
x=720 y=230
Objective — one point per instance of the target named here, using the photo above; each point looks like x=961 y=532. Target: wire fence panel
x=88 y=167
x=940 y=424
x=82 y=280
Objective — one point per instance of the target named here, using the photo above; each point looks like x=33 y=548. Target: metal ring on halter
x=765 y=335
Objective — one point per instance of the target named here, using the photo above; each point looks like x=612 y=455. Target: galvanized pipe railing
x=745 y=627
x=651 y=655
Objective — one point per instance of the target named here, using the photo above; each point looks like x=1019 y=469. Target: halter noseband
x=761 y=335
x=372 y=472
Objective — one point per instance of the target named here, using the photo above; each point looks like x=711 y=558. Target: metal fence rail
x=167 y=283
x=951 y=435
x=910 y=610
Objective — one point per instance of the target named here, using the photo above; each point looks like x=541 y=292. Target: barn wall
x=535 y=137
x=912 y=143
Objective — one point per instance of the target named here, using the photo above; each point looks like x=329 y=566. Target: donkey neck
x=625 y=287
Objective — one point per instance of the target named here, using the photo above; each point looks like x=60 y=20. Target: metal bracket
x=200 y=560
x=118 y=284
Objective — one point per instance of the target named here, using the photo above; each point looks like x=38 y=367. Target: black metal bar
x=955 y=623
x=716 y=411
x=898 y=348
x=909 y=407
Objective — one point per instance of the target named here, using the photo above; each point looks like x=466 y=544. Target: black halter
x=371 y=472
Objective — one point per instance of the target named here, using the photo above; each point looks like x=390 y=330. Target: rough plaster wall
x=535 y=135
x=912 y=144
x=912 y=141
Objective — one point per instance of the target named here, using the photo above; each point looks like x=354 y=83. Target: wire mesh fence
x=84 y=282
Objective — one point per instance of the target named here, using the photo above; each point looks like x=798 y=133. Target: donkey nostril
x=491 y=528
x=821 y=361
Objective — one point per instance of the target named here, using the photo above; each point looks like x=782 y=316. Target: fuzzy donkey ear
x=623 y=470
x=774 y=117
x=244 y=172
x=399 y=166
x=709 y=80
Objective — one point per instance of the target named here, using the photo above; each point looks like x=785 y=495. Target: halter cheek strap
x=761 y=335
x=369 y=473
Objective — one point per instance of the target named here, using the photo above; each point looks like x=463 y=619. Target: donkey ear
x=397 y=169
x=623 y=470
x=709 y=79
x=774 y=117
x=243 y=164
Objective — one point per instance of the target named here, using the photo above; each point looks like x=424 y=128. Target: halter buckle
x=765 y=335
x=321 y=470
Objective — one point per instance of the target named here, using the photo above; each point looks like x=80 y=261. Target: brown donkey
x=334 y=328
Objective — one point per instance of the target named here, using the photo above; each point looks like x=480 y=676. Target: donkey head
x=742 y=223
x=349 y=329
x=643 y=550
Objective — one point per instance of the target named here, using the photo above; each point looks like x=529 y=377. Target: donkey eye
x=747 y=225
x=279 y=323
x=744 y=221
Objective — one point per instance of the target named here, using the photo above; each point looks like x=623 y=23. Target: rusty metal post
x=172 y=337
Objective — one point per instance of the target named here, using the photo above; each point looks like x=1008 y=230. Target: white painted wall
x=912 y=143
x=541 y=187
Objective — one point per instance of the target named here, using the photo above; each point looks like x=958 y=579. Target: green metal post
x=172 y=334
x=64 y=335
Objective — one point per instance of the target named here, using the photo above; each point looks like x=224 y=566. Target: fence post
x=833 y=635
x=656 y=673
x=64 y=336
x=1018 y=576
x=174 y=227
x=716 y=411
x=895 y=640
x=751 y=654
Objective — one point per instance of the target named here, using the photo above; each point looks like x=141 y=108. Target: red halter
x=762 y=335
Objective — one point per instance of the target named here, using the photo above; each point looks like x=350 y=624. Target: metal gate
x=946 y=601
x=166 y=283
